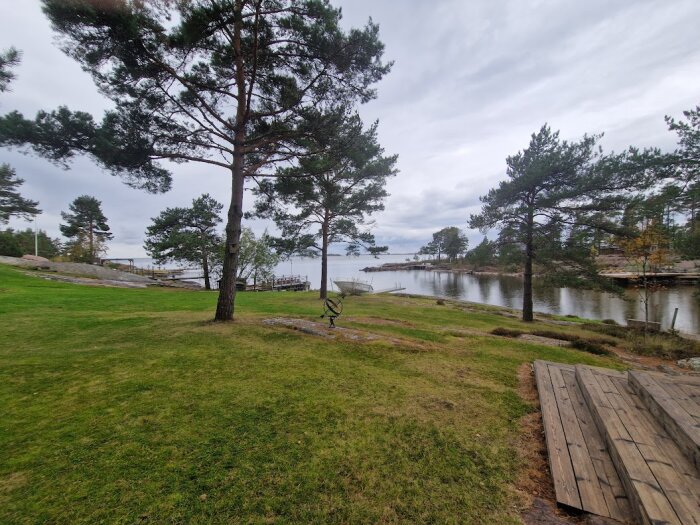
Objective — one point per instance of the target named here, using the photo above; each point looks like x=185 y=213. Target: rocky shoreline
x=608 y=265
x=82 y=273
x=434 y=267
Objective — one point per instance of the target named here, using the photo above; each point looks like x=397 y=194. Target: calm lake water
x=507 y=291
x=504 y=291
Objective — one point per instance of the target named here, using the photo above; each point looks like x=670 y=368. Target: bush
x=554 y=335
x=613 y=330
x=610 y=321
x=9 y=245
x=668 y=346
x=595 y=341
x=506 y=332
x=588 y=346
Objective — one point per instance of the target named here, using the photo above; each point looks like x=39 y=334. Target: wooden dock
x=291 y=283
x=623 y=445
x=625 y=278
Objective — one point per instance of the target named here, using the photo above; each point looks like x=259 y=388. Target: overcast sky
x=472 y=80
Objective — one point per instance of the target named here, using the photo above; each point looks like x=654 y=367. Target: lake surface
x=508 y=291
x=504 y=291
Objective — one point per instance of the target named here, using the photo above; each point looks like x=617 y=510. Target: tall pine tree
x=328 y=196
x=86 y=228
x=552 y=185
x=187 y=234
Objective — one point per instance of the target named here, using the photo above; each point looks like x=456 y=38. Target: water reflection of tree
x=547 y=295
x=511 y=289
x=484 y=284
x=507 y=291
x=449 y=284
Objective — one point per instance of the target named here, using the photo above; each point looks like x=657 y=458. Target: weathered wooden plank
x=667 y=446
x=565 y=486
x=562 y=366
x=607 y=371
x=659 y=451
x=610 y=484
x=592 y=499
x=658 y=398
x=686 y=395
x=647 y=499
x=684 y=379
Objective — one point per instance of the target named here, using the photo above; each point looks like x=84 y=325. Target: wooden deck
x=623 y=446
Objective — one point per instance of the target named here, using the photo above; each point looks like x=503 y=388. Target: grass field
x=129 y=406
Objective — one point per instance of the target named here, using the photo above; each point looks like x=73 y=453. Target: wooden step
x=582 y=471
x=663 y=486
x=675 y=402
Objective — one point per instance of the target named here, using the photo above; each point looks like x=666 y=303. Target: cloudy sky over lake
x=472 y=80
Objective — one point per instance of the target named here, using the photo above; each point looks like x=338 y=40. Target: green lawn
x=129 y=406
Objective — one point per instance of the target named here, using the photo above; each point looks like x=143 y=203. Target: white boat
x=353 y=287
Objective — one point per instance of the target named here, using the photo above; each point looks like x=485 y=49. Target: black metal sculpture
x=332 y=308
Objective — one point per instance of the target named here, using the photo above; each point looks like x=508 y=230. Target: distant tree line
x=16 y=243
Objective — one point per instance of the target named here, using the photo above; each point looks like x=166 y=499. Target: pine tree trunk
x=646 y=297
x=527 y=275
x=92 y=243
x=324 y=258
x=205 y=268
x=227 y=290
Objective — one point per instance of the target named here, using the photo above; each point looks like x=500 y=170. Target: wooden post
x=673 y=321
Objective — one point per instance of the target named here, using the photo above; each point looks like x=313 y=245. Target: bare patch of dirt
x=338 y=333
x=437 y=403
x=12 y=482
x=321 y=329
x=547 y=341
x=645 y=362
x=465 y=332
x=381 y=321
x=542 y=513
x=535 y=483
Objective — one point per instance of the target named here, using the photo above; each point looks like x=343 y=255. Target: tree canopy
x=686 y=158
x=668 y=186
x=231 y=84
x=258 y=257
x=483 y=254
x=187 y=234
x=11 y=202
x=86 y=228
x=450 y=241
x=27 y=239
x=8 y=60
